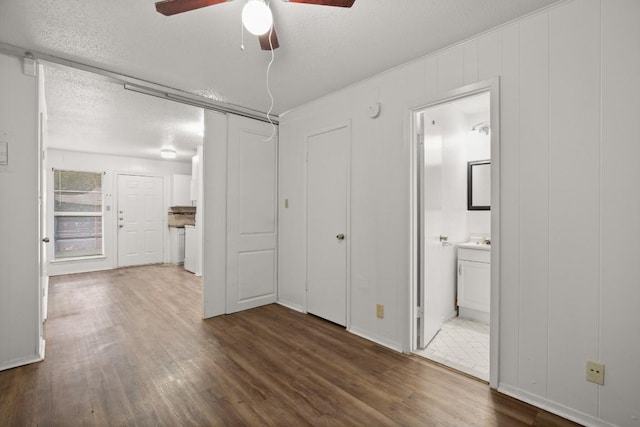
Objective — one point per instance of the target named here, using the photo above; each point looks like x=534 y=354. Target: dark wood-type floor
x=128 y=347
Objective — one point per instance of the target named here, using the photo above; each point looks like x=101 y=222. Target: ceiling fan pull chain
x=241 y=35
x=273 y=127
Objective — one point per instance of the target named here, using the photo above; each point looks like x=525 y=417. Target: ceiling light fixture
x=168 y=153
x=482 y=127
x=257 y=17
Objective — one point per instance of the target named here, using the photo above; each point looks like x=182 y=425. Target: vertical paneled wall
x=618 y=322
x=570 y=206
x=19 y=240
x=533 y=201
x=574 y=196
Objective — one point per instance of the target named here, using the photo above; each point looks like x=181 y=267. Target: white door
x=252 y=234
x=431 y=228
x=327 y=192
x=140 y=218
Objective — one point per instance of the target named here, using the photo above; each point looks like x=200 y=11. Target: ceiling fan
x=173 y=7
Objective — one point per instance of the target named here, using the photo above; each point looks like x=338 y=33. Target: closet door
x=252 y=233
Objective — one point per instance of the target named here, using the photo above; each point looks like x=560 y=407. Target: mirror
x=479 y=185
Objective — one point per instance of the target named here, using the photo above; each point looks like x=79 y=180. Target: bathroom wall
x=569 y=200
x=478 y=147
x=449 y=145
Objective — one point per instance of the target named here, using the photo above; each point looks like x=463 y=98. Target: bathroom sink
x=475 y=245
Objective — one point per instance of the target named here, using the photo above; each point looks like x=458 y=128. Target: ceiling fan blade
x=336 y=3
x=172 y=7
x=264 y=40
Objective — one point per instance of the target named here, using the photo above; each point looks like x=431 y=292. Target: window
x=77 y=214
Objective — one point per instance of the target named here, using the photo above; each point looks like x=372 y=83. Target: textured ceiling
x=96 y=115
x=322 y=48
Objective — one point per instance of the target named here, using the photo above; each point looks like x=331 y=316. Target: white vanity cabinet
x=474 y=282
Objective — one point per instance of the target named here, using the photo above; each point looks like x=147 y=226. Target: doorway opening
x=454 y=226
x=109 y=205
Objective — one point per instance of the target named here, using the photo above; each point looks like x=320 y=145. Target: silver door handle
x=340 y=236
x=444 y=238
x=45 y=240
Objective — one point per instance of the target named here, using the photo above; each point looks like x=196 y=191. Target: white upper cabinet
x=180 y=190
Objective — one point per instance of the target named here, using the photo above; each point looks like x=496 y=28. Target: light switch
x=286 y=203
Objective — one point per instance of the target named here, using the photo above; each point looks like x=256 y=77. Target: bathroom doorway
x=454 y=201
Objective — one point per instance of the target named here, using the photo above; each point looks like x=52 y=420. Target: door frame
x=114 y=227
x=340 y=125
x=412 y=137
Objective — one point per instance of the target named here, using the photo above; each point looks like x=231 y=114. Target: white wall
x=19 y=239
x=112 y=165
x=569 y=200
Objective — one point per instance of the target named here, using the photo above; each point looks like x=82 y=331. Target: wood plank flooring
x=129 y=347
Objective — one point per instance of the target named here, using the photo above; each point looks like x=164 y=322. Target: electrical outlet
x=595 y=372
x=380 y=311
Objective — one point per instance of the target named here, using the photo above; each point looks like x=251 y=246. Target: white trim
x=291 y=306
x=493 y=87
x=27 y=360
x=79 y=258
x=550 y=406
x=393 y=345
x=139 y=85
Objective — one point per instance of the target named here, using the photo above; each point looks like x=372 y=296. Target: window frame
x=95 y=214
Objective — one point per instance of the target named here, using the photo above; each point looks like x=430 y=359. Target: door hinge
x=419 y=312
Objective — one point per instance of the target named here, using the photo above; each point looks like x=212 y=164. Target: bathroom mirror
x=479 y=185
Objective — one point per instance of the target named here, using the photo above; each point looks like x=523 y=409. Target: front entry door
x=327 y=192
x=140 y=219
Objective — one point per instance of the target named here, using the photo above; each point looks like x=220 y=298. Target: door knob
x=45 y=240
x=340 y=236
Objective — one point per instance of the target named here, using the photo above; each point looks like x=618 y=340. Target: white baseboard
x=479 y=316
x=292 y=306
x=553 y=407
x=43 y=346
x=34 y=358
x=393 y=345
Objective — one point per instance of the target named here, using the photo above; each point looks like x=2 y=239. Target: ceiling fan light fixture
x=257 y=17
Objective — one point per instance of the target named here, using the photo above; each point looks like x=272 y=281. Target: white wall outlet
x=380 y=311
x=595 y=372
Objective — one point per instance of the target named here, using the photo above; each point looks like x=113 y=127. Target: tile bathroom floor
x=461 y=344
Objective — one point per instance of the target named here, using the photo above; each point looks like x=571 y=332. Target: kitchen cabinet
x=180 y=190
x=190 y=248
x=176 y=245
